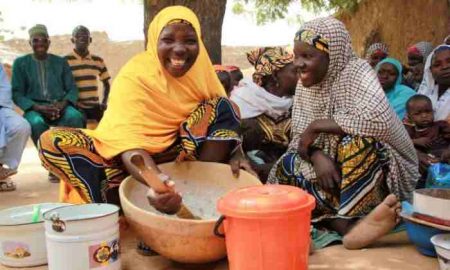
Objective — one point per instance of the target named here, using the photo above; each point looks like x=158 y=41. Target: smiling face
x=178 y=48
x=440 y=68
x=81 y=39
x=40 y=44
x=387 y=75
x=311 y=63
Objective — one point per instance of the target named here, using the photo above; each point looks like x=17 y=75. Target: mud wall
x=398 y=23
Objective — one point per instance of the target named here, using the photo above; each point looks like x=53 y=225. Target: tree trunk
x=209 y=12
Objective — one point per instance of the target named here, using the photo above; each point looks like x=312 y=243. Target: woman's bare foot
x=378 y=223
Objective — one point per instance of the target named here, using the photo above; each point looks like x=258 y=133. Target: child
x=430 y=138
x=224 y=77
x=236 y=76
x=86 y=68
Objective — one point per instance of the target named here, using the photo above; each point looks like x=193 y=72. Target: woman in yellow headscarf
x=165 y=103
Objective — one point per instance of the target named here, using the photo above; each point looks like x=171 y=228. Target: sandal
x=7 y=185
x=6 y=172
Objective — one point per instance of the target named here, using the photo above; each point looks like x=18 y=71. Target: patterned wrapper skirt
x=86 y=177
x=363 y=165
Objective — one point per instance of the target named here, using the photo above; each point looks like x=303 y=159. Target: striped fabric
x=362 y=162
x=85 y=72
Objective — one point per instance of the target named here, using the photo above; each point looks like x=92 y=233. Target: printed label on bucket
x=103 y=254
x=17 y=250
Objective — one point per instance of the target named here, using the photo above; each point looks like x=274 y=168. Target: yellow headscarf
x=147 y=105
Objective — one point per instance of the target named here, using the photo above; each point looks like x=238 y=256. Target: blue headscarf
x=399 y=94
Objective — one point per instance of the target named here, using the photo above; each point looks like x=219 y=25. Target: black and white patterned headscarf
x=377 y=47
x=351 y=95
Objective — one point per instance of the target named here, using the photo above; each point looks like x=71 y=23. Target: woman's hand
x=167 y=202
x=238 y=161
x=425 y=161
x=313 y=130
x=328 y=176
x=306 y=140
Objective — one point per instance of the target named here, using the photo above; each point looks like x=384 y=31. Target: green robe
x=42 y=81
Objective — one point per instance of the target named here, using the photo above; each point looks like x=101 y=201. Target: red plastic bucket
x=267 y=227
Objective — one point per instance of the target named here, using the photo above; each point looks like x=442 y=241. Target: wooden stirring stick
x=156 y=184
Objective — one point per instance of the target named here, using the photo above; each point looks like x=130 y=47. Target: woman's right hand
x=328 y=176
x=167 y=202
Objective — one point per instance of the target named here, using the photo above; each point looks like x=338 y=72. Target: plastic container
x=22 y=235
x=267 y=227
x=433 y=202
x=83 y=237
x=441 y=243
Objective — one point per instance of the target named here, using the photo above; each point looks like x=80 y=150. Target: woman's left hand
x=306 y=140
x=238 y=161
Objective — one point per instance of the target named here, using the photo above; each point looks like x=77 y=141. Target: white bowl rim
x=439 y=240
x=56 y=205
x=113 y=209
x=165 y=217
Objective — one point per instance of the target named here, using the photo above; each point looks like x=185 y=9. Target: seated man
x=43 y=87
x=86 y=68
x=14 y=133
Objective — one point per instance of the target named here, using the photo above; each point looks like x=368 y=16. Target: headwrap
x=308 y=36
x=351 y=95
x=147 y=105
x=377 y=48
x=267 y=60
x=429 y=88
x=225 y=68
x=231 y=68
x=38 y=29
x=80 y=28
x=422 y=48
x=399 y=94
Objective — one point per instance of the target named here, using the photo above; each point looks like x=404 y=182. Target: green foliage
x=272 y=10
x=238 y=8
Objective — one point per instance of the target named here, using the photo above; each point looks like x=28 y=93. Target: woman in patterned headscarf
x=265 y=104
x=349 y=149
x=417 y=54
x=376 y=52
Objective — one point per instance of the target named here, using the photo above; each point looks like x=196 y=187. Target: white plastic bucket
x=22 y=239
x=83 y=237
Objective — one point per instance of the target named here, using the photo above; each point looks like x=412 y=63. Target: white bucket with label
x=22 y=235
x=83 y=237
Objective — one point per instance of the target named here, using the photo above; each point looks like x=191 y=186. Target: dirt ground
x=392 y=252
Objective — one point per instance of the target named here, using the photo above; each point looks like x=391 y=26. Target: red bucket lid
x=265 y=201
